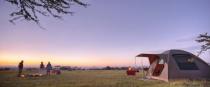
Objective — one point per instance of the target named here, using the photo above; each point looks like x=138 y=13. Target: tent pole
x=142 y=68
x=135 y=63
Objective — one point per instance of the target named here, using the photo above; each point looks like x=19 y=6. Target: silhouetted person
x=20 y=68
x=48 y=67
x=42 y=66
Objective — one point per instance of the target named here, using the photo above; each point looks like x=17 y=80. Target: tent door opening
x=158 y=68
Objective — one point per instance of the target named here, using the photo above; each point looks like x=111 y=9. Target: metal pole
x=142 y=68
x=135 y=63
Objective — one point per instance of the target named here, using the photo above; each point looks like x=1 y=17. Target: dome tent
x=176 y=64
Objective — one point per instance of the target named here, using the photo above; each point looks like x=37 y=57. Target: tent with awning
x=176 y=64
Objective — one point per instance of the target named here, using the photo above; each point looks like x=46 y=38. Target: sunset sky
x=108 y=32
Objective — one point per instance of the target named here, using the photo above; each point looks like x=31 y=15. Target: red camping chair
x=131 y=71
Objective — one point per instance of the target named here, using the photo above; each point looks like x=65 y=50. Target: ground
x=91 y=78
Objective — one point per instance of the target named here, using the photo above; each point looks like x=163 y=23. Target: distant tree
x=28 y=9
x=107 y=68
x=205 y=40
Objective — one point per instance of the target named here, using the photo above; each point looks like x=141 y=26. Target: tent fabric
x=152 y=57
x=173 y=66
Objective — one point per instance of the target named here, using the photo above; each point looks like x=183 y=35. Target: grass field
x=91 y=78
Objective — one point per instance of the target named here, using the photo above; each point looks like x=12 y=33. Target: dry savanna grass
x=91 y=78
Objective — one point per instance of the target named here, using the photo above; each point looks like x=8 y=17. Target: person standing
x=20 y=68
x=42 y=66
x=48 y=67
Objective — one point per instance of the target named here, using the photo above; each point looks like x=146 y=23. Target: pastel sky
x=108 y=32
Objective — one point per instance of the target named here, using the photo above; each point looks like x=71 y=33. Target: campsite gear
x=20 y=68
x=22 y=76
x=131 y=71
x=32 y=75
x=56 y=70
x=176 y=64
